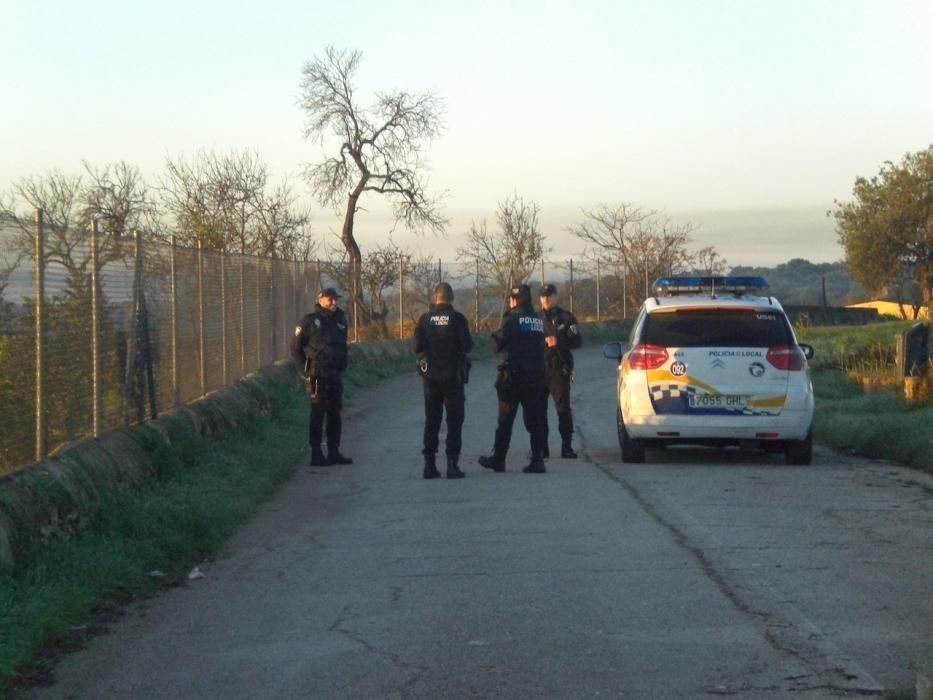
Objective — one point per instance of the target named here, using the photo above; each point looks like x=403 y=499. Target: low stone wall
x=53 y=498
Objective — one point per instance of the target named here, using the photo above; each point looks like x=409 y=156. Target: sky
x=746 y=119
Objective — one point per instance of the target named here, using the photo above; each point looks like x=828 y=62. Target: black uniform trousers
x=438 y=398
x=533 y=400
x=558 y=388
x=326 y=404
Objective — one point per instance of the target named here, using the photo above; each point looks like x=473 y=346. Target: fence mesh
x=146 y=328
x=149 y=326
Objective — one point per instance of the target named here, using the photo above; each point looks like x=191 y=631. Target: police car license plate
x=717 y=401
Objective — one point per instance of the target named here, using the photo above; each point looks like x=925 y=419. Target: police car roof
x=705 y=301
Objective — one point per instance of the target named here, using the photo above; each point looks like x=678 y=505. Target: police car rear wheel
x=633 y=450
x=800 y=452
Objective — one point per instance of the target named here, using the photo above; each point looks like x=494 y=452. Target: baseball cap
x=329 y=292
x=548 y=289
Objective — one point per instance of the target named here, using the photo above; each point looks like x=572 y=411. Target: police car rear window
x=688 y=328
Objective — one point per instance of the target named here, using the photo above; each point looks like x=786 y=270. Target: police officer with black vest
x=320 y=349
x=442 y=341
x=563 y=335
x=521 y=380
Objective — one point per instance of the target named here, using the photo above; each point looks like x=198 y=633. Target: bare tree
x=116 y=196
x=706 y=261
x=640 y=244
x=421 y=276
x=379 y=149
x=58 y=196
x=380 y=272
x=119 y=199
x=225 y=203
x=509 y=255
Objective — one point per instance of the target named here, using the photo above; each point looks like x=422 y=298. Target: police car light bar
x=733 y=284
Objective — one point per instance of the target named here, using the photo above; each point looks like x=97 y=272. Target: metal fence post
x=401 y=293
x=274 y=303
x=597 y=289
x=356 y=309
x=242 y=315
x=147 y=380
x=571 y=285
x=41 y=437
x=476 y=299
x=259 y=288
x=95 y=334
x=176 y=383
x=202 y=360
x=223 y=315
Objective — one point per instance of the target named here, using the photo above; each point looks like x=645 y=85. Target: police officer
x=520 y=381
x=562 y=334
x=320 y=349
x=442 y=341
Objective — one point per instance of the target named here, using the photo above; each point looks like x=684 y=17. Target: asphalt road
x=701 y=573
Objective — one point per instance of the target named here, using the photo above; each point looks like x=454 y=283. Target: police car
x=712 y=361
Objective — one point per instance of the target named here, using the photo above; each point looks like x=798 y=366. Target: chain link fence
x=592 y=290
x=99 y=331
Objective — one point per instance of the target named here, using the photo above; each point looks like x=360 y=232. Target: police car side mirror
x=807 y=350
x=613 y=351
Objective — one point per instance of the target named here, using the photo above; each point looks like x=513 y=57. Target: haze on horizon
x=746 y=119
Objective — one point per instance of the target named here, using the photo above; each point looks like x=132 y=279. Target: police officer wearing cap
x=320 y=349
x=442 y=341
x=562 y=335
x=521 y=380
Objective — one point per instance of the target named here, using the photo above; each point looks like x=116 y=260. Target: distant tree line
x=799 y=282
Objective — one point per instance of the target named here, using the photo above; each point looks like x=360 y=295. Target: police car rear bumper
x=789 y=425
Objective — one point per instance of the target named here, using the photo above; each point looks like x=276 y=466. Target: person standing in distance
x=320 y=349
x=562 y=334
x=520 y=382
x=442 y=341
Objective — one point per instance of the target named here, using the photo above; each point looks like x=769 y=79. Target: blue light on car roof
x=735 y=284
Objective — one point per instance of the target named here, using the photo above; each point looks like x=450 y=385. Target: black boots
x=453 y=471
x=496 y=461
x=430 y=467
x=566 y=451
x=536 y=466
x=333 y=457
x=336 y=458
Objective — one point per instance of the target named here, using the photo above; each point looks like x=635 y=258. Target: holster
x=504 y=378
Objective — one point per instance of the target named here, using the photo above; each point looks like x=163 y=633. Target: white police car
x=712 y=362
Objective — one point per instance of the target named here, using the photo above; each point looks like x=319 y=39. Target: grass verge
x=872 y=424
x=149 y=539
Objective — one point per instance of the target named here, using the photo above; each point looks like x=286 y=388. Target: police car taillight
x=787 y=357
x=645 y=356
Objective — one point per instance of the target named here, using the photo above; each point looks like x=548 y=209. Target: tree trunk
x=353 y=251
